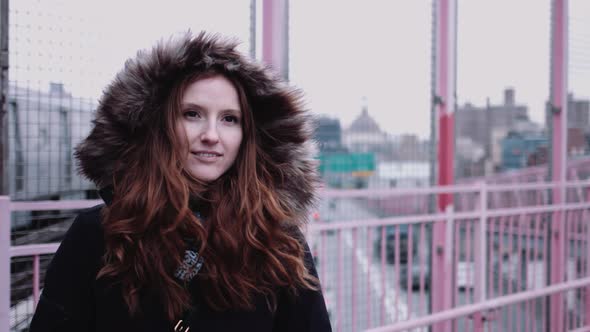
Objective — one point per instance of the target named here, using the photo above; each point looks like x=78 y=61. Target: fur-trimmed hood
x=139 y=92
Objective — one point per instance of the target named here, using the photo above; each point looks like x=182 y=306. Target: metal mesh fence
x=502 y=92
x=47 y=114
x=62 y=54
x=22 y=301
x=579 y=81
x=372 y=120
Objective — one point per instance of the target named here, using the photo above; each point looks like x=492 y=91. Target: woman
x=204 y=162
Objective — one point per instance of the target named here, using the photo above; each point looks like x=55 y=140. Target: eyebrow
x=197 y=106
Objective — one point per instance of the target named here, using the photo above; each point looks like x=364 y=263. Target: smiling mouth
x=206 y=154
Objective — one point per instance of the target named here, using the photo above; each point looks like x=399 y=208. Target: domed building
x=364 y=134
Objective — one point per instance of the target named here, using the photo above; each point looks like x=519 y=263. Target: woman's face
x=210 y=121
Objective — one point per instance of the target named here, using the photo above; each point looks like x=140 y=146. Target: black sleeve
x=305 y=312
x=66 y=303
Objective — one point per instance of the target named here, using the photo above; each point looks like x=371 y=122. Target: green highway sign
x=347 y=163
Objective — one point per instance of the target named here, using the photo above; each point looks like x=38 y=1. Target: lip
x=213 y=157
x=217 y=154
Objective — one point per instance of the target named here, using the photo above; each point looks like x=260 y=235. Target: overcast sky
x=340 y=51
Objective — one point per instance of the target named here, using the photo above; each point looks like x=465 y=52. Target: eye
x=231 y=118
x=191 y=114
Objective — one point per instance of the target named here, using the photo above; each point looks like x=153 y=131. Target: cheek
x=181 y=133
x=238 y=140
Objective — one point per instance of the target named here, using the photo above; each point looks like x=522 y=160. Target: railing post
x=587 y=292
x=444 y=101
x=558 y=113
x=275 y=35
x=4 y=263
x=480 y=269
x=481 y=255
x=448 y=256
x=36 y=275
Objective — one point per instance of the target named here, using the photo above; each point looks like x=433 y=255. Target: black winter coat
x=74 y=300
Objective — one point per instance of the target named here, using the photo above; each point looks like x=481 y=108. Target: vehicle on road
x=420 y=253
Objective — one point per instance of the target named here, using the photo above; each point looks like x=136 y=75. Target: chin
x=206 y=177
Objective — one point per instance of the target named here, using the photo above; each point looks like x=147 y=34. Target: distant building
x=578 y=113
x=364 y=134
x=539 y=156
x=518 y=149
x=328 y=134
x=409 y=147
x=576 y=142
x=478 y=123
x=578 y=122
x=43 y=129
x=470 y=157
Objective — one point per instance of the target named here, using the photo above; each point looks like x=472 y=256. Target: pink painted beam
x=383 y=276
x=354 y=279
x=36 y=273
x=54 y=205
x=275 y=35
x=397 y=271
x=450 y=189
x=340 y=284
x=370 y=255
x=587 y=229
x=4 y=263
x=33 y=249
x=409 y=264
x=422 y=254
x=559 y=36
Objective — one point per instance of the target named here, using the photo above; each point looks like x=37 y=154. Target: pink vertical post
x=559 y=39
x=339 y=315
x=4 y=263
x=383 y=275
x=444 y=99
x=519 y=282
x=587 y=239
x=509 y=278
x=458 y=240
x=422 y=254
x=580 y=232
x=450 y=265
x=570 y=237
x=397 y=272
x=275 y=35
x=370 y=248
x=537 y=234
x=354 y=284
x=480 y=282
x=323 y=255
x=491 y=250
x=409 y=265
x=36 y=279
x=468 y=258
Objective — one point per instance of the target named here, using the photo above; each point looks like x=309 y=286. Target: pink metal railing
x=375 y=266
x=8 y=318
x=488 y=306
x=507 y=254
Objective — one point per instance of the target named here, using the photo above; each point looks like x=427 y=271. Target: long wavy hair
x=247 y=249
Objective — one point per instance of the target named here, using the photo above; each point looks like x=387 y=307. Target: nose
x=210 y=134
